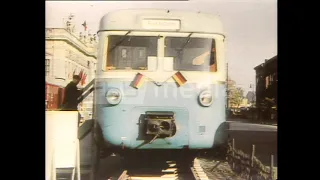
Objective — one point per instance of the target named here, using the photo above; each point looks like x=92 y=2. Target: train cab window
x=197 y=54
x=130 y=52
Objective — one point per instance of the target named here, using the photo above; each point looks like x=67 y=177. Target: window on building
x=47 y=67
x=268 y=81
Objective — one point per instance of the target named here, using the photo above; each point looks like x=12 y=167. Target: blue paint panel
x=122 y=120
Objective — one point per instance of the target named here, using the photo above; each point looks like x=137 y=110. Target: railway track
x=174 y=170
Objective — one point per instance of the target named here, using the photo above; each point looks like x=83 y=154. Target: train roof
x=136 y=19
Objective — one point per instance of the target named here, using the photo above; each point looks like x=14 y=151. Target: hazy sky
x=250 y=26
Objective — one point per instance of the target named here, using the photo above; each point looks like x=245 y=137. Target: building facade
x=68 y=54
x=266 y=87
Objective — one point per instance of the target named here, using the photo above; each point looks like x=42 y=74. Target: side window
x=213 y=58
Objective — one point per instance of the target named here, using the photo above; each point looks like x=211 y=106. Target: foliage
x=236 y=96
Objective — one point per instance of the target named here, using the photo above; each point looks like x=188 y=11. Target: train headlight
x=113 y=96
x=205 y=98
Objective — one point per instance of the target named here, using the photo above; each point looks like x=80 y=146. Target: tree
x=235 y=96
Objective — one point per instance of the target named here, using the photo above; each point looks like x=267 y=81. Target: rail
x=175 y=170
x=249 y=166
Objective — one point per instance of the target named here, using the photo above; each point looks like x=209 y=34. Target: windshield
x=130 y=52
x=191 y=54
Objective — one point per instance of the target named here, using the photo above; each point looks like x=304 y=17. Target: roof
x=133 y=19
x=268 y=61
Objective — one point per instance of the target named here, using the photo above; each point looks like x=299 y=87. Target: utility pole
x=227 y=88
x=252 y=101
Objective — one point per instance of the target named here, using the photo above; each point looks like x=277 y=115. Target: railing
x=249 y=166
x=86 y=91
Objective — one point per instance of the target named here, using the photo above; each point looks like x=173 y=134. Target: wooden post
x=271 y=167
x=252 y=160
x=233 y=149
x=252 y=154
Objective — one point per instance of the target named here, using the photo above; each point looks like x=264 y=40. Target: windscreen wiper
x=187 y=41
x=184 y=45
x=119 y=42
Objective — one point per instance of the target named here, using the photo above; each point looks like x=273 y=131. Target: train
x=160 y=82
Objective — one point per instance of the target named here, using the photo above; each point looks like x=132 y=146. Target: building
x=67 y=54
x=251 y=97
x=266 y=86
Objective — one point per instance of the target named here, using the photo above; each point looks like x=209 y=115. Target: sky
x=250 y=26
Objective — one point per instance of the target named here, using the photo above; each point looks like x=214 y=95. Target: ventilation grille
x=202 y=129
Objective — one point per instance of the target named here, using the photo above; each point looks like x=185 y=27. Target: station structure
x=69 y=52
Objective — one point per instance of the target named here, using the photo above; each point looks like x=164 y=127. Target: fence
x=248 y=166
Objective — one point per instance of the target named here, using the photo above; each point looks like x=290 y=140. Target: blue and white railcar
x=160 y=79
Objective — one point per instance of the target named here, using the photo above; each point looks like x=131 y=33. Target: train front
x=160 y=89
